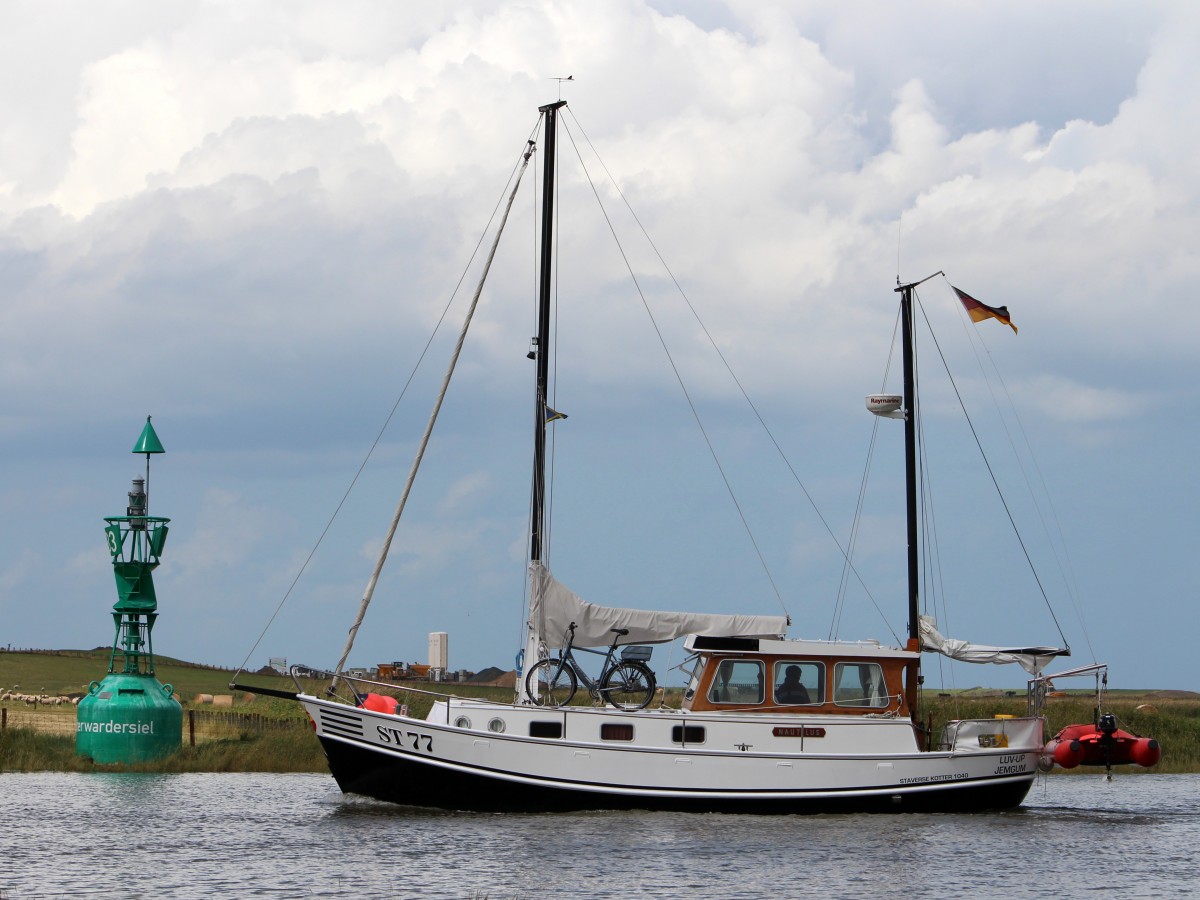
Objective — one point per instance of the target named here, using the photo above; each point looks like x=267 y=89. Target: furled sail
x=1031 y=659
x=554 y=607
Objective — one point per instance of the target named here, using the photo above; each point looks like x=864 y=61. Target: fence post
x=192 y=726
x=3 y=718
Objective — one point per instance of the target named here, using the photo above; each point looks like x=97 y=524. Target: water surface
x=254 y=835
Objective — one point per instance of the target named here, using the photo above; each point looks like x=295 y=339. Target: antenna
x=560 y=79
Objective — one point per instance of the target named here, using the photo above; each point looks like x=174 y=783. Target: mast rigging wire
x=987 y=463
x=728 y=368
x=975 y=335
x=513 y=173
x=852 y=543
x=678 y=375
x=437 y=406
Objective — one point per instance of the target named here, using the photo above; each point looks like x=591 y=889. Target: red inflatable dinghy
x=1102 y=744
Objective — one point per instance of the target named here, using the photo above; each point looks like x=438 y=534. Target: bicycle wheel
x=628 y=685
x=549 y=683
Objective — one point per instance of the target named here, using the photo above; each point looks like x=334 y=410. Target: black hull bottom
x=382 y=776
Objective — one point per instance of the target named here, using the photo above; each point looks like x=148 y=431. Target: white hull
x=751 y=762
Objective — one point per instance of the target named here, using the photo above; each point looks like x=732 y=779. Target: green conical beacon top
x=148 y=443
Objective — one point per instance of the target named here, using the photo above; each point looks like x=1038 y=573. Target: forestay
x=554 y=607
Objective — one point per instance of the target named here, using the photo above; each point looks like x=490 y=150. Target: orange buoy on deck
x=380 y=703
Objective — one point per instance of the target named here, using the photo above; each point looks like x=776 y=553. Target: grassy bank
x=1174 y=723
x=264 y=734
x=66 y=672
x=1172 y=717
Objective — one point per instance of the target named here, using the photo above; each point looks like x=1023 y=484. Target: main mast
x=542 y=341
x=909 y=414
x=910 y=459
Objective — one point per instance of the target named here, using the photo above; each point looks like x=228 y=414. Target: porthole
x=462 y=722
x=687 y=734
x=616 y=731
x=546 y=729
x=496 y=725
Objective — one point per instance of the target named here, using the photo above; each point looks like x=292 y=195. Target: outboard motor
x=1107 y=726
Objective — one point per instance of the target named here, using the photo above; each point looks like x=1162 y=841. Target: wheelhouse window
x=799 y=683
x=860 y=684
x=738 y=681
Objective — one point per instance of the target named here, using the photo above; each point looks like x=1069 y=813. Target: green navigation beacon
x=130 y=716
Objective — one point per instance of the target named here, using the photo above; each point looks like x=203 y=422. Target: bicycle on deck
x=627 y=683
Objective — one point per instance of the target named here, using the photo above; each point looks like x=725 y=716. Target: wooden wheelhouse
x=800 y=677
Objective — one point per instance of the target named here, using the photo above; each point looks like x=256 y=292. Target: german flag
x=980 y=311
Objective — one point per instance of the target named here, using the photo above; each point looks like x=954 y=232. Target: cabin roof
x=734 y=645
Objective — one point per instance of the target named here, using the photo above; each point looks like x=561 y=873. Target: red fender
x=1146 y=752
x=1067 y=754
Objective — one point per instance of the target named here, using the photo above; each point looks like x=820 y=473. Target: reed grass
x=282 y=751
x=26 y=750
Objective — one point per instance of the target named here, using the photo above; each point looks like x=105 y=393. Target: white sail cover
x=1031 y=659
x=554 y=607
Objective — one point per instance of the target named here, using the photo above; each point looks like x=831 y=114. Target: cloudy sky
x=246 y=218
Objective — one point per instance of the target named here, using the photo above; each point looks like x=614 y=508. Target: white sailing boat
x=766 y=723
